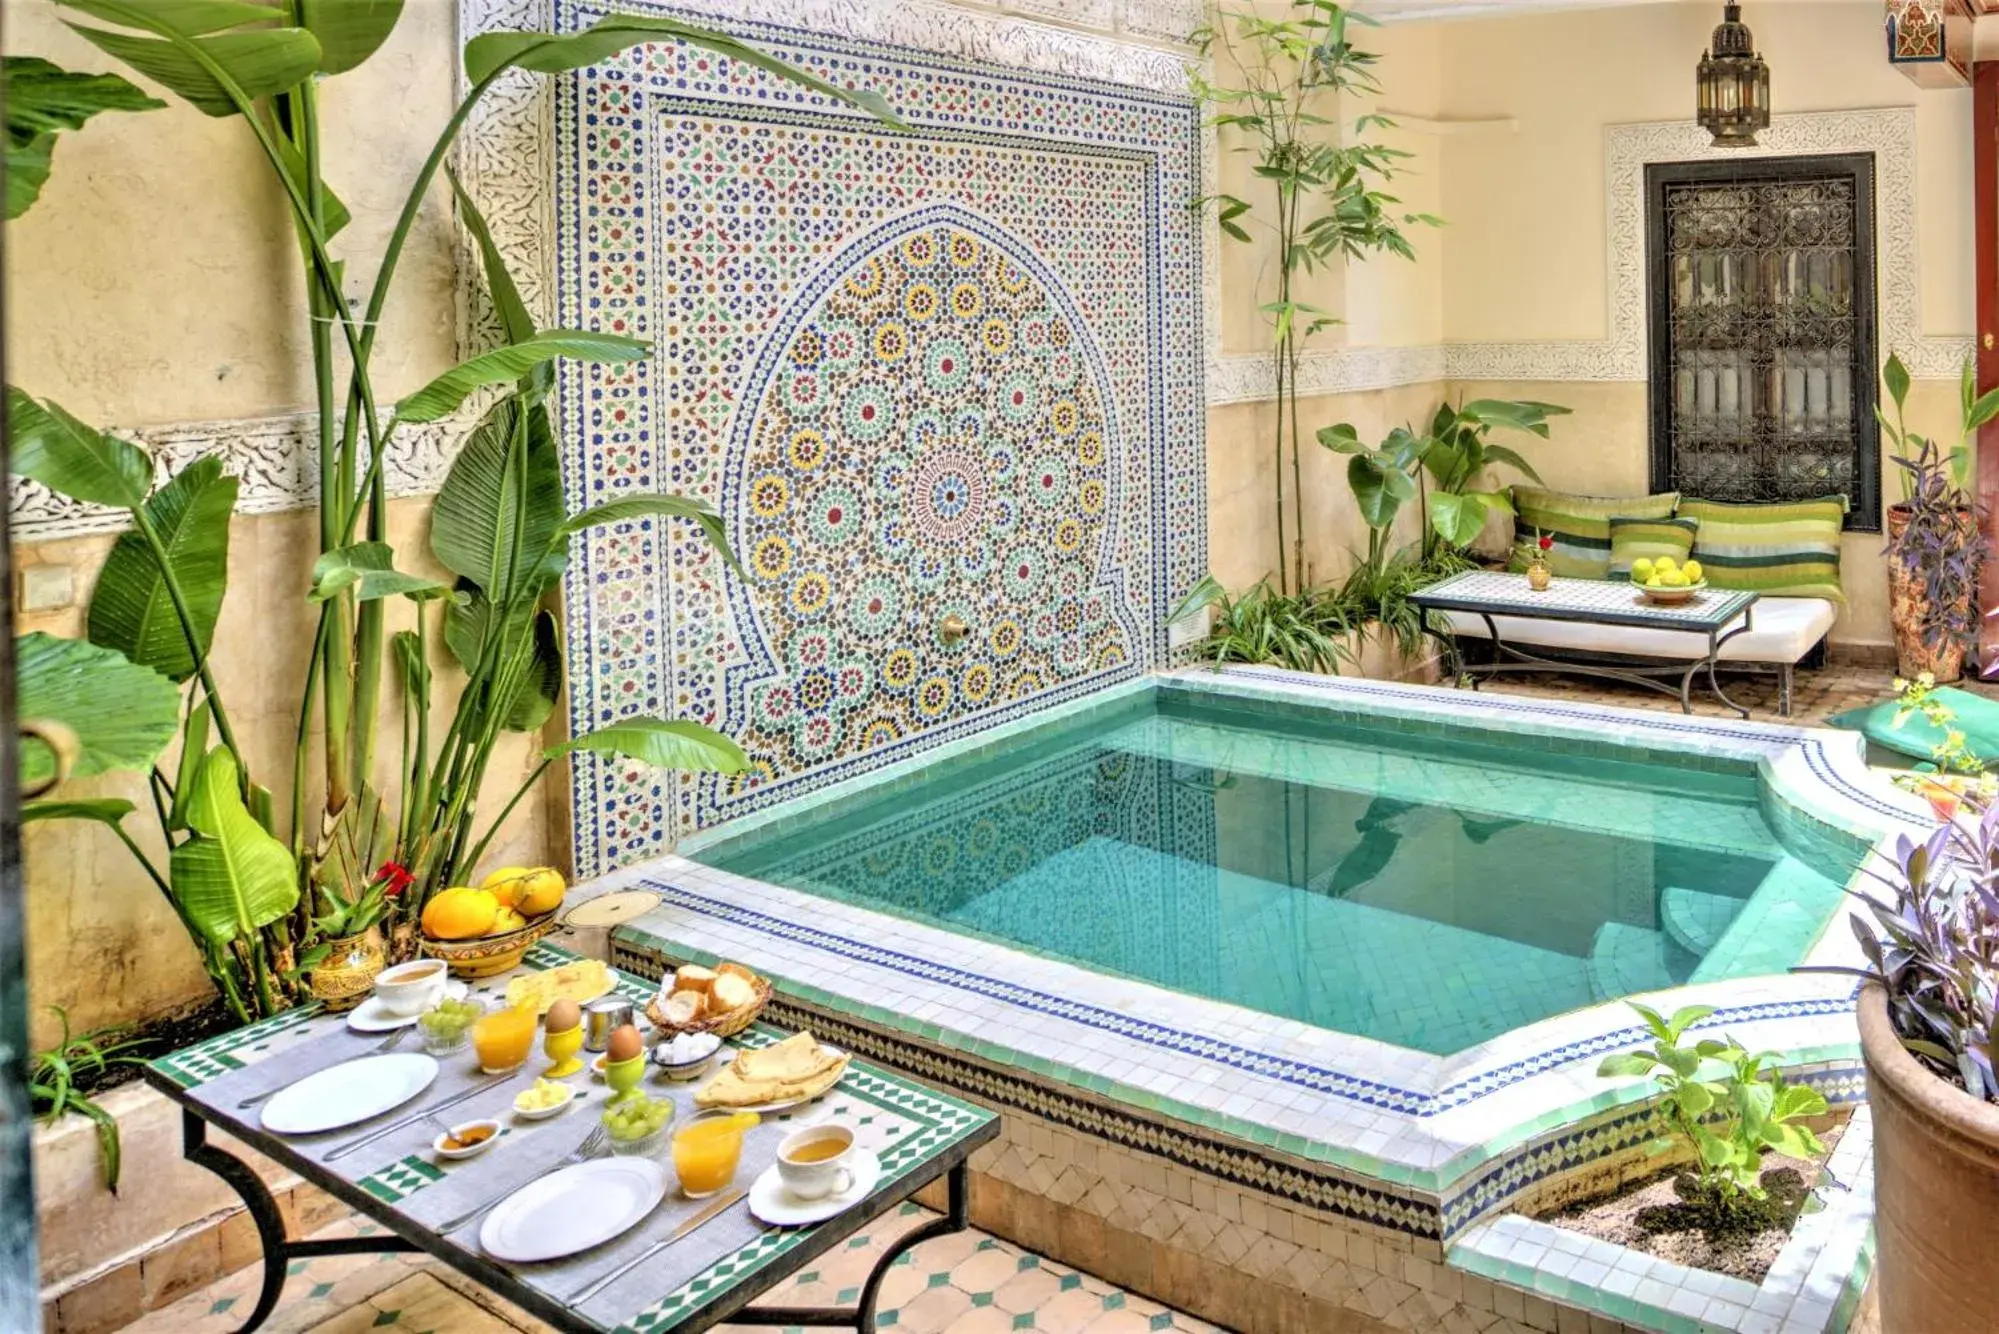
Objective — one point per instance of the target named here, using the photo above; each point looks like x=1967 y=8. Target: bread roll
x=738 y=970
x=685 y=1007
x=693 y=977
x=731 y=992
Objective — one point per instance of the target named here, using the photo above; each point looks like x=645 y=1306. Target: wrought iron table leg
x=862 y=1317
x=279 y=1250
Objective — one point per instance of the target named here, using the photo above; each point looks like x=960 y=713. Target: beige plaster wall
x=157 y=281
x=1524 y=257
x=1242 y=525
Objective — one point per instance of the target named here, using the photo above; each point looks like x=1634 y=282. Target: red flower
x=397 y=875
x=1547 y=542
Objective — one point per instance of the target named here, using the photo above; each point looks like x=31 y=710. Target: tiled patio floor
x=970 y=1283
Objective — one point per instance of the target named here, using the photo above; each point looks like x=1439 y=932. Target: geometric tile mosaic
x=947 y=371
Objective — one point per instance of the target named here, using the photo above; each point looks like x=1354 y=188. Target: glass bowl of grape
x=447 y=1026
x=637 y=1127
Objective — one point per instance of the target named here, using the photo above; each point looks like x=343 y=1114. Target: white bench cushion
x=1781 y=630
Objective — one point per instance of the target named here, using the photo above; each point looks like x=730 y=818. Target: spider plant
x=1307 y=631
x=61 y=1076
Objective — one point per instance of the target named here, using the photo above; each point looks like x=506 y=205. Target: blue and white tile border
x=1441 y=1140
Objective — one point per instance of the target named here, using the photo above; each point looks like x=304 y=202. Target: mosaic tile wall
x=948 y=371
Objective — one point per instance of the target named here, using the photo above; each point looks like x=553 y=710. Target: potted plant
x=1930 y=1040
x=1936 y=539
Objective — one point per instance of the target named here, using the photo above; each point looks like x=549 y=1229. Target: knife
x=715 y=1209
x=417 y=1115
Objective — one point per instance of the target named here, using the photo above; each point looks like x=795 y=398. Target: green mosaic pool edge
x=1441 y=1182
x=928 y=765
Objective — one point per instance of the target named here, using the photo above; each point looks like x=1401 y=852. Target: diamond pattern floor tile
x=969 y=1283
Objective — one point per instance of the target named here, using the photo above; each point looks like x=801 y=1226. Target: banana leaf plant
x=500 y=526
x=38 y=101
x=1457 y=456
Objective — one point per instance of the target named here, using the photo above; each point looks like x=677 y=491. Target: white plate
x=771 y=1203
x=764 y=1108
x=349 y=1092
x=368 y=1017
x=573 y=1210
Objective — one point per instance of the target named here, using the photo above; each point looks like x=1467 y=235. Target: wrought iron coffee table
x=1714 y=615
x=703 y=1279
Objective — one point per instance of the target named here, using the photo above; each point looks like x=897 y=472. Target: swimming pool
x=1426 y=886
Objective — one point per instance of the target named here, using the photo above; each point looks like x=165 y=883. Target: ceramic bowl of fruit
x=637 y=1127
x=447 y=1026
x=483 y=930
x=1667 y=581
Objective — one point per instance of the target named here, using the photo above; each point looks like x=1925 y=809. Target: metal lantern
x=1734 y=84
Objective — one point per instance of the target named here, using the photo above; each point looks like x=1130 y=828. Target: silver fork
x=591 y=1147
x=388 y=1044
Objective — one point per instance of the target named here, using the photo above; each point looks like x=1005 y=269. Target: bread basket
x=724 y=1025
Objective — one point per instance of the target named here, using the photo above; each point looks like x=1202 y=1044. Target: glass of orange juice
x=706 y=1150
x=503 y=1038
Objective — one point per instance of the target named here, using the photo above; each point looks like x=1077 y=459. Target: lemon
x=529 y=890
x=1664 y=563
x=506 y=884
x=1655 y=582
x=1673 y=579
x=1641 y=569
x=507 y=919
x=460 y=913
x=1692 y=569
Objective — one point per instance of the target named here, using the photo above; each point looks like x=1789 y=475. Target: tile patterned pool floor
x=970 y=1283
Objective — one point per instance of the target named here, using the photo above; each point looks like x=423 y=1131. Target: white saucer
x=367 y=1017
x=771 y=1203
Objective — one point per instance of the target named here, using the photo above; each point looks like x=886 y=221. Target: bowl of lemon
x=1667 y=581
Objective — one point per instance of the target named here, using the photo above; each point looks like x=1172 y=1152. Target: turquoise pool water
x=1430 y=891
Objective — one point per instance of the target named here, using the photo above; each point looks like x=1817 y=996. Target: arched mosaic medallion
x=932 y=437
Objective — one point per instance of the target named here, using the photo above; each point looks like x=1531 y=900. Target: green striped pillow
x=1649 y=538
x=1580 y=525
x=1785 y=550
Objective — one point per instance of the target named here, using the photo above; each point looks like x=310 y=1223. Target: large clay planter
x=1936 y=1190
x=1908 y=607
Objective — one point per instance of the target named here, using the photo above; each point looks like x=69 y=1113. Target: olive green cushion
x=1790 y=549
x=1977 y=717
x=1649 y=538
x=1580 y=525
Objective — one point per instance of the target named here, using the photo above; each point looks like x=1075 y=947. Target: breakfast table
x=658 y=1276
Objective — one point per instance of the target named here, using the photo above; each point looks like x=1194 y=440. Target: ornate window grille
x=1761 y=322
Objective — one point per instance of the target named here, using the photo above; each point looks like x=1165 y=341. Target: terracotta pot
x=1936 y=1189
x=1908 y=608
x=347 y=975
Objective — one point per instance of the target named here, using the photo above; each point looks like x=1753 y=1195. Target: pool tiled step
x=1696 y=919
x=1627 y=960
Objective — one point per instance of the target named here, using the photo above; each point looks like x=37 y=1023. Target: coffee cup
x=409 y=988
x=816 y=1162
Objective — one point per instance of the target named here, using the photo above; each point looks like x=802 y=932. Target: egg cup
x=561 y=1048
x=625 y=1076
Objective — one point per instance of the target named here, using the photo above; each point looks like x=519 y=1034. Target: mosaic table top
x=1609 y=601
x=917 y=1132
